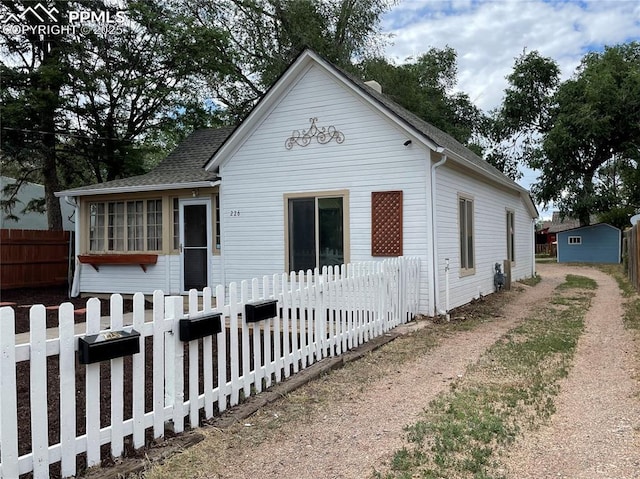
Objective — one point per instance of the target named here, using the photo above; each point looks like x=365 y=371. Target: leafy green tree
x=85 y=105
x=511 y=134
x=265 y=36
x=140 y=78
x=425 y=87
x=32 y=81
x=573 y=131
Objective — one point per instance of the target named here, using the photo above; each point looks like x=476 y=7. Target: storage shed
x=598 y=243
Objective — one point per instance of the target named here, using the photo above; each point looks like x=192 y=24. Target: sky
x=489 y=34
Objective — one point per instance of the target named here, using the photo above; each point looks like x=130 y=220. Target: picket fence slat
x=67 y=374
x=92 y=372
x=158 y=364
x=193 y=366
x=207 y=360
x=138 y=374
x=38 y=378
x=221 y=346
x=246 y=377
x=175 y=309
x=117 y=382
x=320 y=313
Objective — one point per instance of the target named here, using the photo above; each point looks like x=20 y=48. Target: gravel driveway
x=595 y=432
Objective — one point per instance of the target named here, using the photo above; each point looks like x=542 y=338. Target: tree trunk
x=51 y=185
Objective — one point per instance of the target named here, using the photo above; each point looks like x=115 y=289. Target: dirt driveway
x=594 y=433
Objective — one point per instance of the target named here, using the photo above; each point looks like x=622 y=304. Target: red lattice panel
x=386 y=223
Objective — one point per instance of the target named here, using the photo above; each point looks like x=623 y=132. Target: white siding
x=372 y=158
x=490 y=206
x=125 y=279
x=129 y=279
x=216 y=272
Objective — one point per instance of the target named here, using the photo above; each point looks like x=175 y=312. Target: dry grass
x=314 y=399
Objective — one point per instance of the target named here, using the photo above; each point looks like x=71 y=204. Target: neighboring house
x=599 y=243
x=550 y=229
x=324 y=170
x=31 y=220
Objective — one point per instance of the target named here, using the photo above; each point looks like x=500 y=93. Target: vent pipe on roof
x=374 y=85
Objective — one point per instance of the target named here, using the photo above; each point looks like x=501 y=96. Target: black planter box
x=200 y=326
x=260 y=310
x=108 y=345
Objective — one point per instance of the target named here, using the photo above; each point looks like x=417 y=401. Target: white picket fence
x=320 y=314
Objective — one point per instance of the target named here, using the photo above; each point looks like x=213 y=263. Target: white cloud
x=488 y=35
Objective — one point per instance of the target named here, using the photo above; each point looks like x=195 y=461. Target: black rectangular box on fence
x=260 y=310
x=108 y=345
x=200 y=326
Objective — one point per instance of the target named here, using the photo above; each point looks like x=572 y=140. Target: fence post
x=174 y=360
x=194 y=409
x=221 y=342
x=207 y=358
x=159 y=392
x=117 y=382
x=92 y=383
x=67 y=371
x=8 y=395
x=38 y=386
x=139 y=366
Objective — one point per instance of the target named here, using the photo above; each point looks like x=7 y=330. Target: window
x=217 y=223
x=154 y=225
x=316 y=236
x=125 y=226
x=511 y=236
x=115 y=230
x=575 y=239
x=135 y=225
x=96 y=226
x=386 y=223
x=176 y=223
x=465 y=218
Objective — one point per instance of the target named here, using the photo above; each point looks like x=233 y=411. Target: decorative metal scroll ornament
x=322 y=135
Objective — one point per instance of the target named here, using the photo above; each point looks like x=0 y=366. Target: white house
x=31 y=220
x=324 y=170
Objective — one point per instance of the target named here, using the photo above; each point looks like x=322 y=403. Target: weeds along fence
x=59 y=415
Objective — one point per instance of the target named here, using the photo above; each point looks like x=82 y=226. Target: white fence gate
x=319 y=314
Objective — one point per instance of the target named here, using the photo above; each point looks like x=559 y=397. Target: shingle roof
x=430 y=132
x=185 y=164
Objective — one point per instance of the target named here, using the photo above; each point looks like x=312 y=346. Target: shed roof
x=574 y=230
x=182 y=168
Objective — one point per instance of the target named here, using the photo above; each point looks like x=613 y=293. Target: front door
x=195 y=243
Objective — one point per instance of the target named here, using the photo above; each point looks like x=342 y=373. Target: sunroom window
x=123 y=226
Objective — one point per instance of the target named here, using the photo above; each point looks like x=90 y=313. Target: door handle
x=180 y=248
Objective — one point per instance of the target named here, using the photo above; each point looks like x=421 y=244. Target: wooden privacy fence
x=127 y=400
x=30 y=258
x=631 y=254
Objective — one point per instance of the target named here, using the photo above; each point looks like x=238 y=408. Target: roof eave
x=138 y=188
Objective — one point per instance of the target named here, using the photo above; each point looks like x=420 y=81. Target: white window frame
x=574 y=240
x=466 y=267
x=99 y=238
x=511 y=236
x=346 y=244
